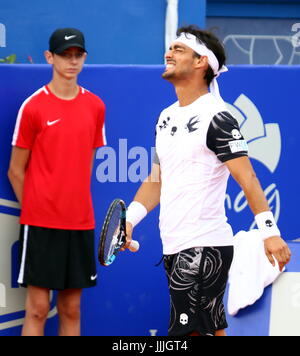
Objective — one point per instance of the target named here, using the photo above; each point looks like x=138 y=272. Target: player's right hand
x=129 y=231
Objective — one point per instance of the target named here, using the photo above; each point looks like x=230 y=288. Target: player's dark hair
x=211 y=42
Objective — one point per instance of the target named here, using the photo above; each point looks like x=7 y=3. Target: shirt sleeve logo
x=236 y=134
x=238 y=146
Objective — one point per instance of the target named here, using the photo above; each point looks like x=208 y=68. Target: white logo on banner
x=296 y=37
x=2 y=35
x=123 y=164
x=12 y=300
x=264 y=140
x=264 y=143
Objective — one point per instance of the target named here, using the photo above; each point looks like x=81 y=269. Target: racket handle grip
x=134 y=246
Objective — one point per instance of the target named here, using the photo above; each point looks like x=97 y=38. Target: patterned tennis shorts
x=197 y=281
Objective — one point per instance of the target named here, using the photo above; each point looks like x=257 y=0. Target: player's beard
x=169 y=75
x=178 y=75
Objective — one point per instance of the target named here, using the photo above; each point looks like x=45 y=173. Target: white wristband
x=135 y=213
x=266 y=225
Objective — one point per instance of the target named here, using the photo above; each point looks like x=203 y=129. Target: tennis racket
x=113 y=234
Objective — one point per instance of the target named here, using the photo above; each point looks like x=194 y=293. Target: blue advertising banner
x=26 y=27
x=131 y=297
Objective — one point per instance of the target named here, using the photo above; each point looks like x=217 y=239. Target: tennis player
x=57 y=131
x=198 y=145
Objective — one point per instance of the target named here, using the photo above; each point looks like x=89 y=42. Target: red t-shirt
x=62 y=135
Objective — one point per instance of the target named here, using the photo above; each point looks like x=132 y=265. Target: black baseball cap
x=64 y=38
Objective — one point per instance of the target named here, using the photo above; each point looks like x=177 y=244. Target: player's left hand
x=276 y=247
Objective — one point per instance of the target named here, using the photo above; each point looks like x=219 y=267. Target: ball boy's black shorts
x=57 y=259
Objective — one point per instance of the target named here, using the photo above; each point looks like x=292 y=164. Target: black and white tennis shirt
x=192 y=145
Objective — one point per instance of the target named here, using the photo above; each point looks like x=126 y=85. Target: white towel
x=250 y=271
